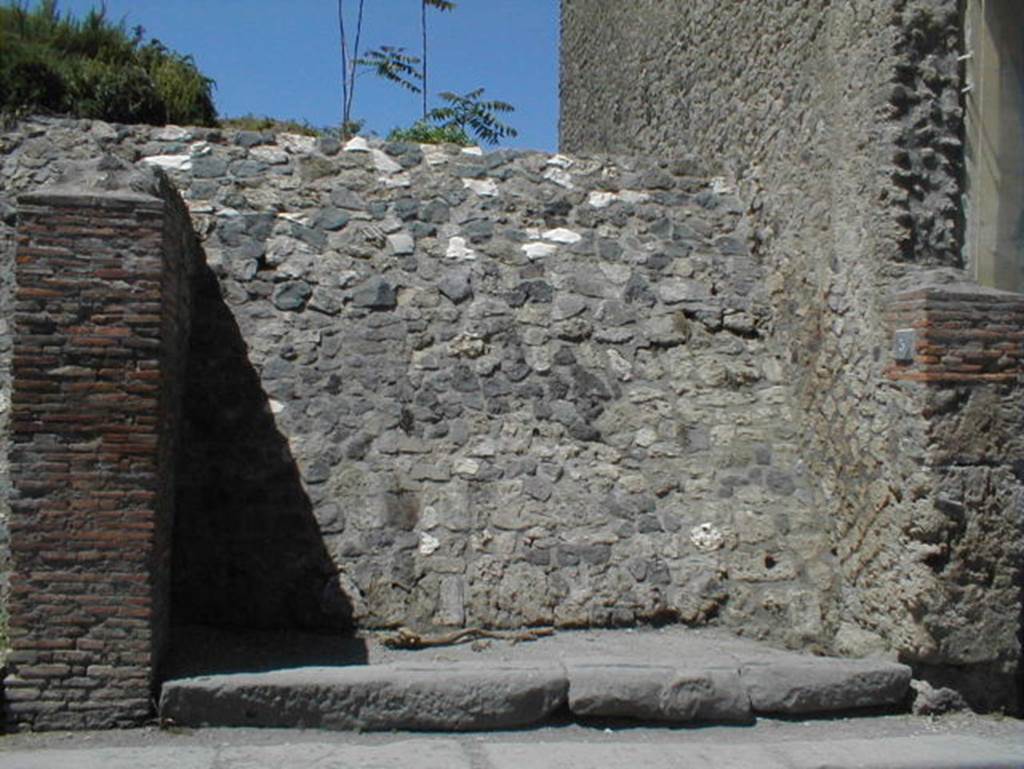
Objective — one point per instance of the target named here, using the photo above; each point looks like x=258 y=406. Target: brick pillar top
x=959 y=333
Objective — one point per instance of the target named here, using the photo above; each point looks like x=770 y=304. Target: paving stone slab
x=794 y=684
x=410 y=754
x=421 y=754
x=939 y=752
x=438 y=697
x=657 y=693
x=111 y=758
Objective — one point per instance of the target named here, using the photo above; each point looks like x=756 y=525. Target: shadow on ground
x=198 y=650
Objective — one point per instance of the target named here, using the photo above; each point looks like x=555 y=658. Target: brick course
x=962 y=334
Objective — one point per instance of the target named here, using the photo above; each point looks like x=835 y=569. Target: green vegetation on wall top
x=93 y=68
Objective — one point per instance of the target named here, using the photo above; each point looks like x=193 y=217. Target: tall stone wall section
x=99 y=325
x=841 y=123
x=433 y=387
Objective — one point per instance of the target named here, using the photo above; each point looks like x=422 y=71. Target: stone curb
x=467 y=697
x=653 y=693
x=806 y=685
x=371 y=698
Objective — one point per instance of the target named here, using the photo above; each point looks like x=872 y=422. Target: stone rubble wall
x=841 y=124
x=433 y=387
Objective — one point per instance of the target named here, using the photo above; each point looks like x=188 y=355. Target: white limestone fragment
x=199 y=149
x=535 y=251
x=646 y=437
x=474 y=150
x=720 y=186
x=428 y=544
x=563 y=235
x=621 y=367
x=276 y=407
x=560 y=161
x=457 y=249
x=297 y=144
x=466 y=468
x=357 y=144
x=433 y=155
x=602 y=199
x=559 y=176
x=677 y=290
x=269 y=155
x=485 y=188
x=170 y=162
x=173 y=133
x=467 y=346
x=384 y=163
x=633 y=196
x=706 y=537
x=430 y=519
x=396 y=180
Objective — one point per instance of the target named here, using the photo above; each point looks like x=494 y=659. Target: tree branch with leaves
x=462 y=115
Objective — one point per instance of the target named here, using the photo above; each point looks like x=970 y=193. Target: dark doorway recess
x=253 y=586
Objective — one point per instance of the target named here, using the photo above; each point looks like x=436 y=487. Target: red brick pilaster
x=957 y=334
x=89 y=524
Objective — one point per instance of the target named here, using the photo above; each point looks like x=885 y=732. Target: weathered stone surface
x=932 y=701
x=819 y=685
x=372 y=698
x=361 y=341
x=432 y=754
x=676 y=695
x=905 y=469
x=914 y=752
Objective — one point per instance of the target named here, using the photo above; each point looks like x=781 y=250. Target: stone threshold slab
x=468 y=696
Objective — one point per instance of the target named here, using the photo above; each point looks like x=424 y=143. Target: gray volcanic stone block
x=657 y=693
x=376 y=294
x=292 y=295
x=439 y=697
x=456 y=285
x=819 y=685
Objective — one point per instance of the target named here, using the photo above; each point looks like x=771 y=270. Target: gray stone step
x=481 y=695
x=460 y=697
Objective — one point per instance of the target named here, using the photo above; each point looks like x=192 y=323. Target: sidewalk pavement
x=889 y=742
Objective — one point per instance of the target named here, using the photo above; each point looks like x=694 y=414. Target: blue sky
x=281 y=57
